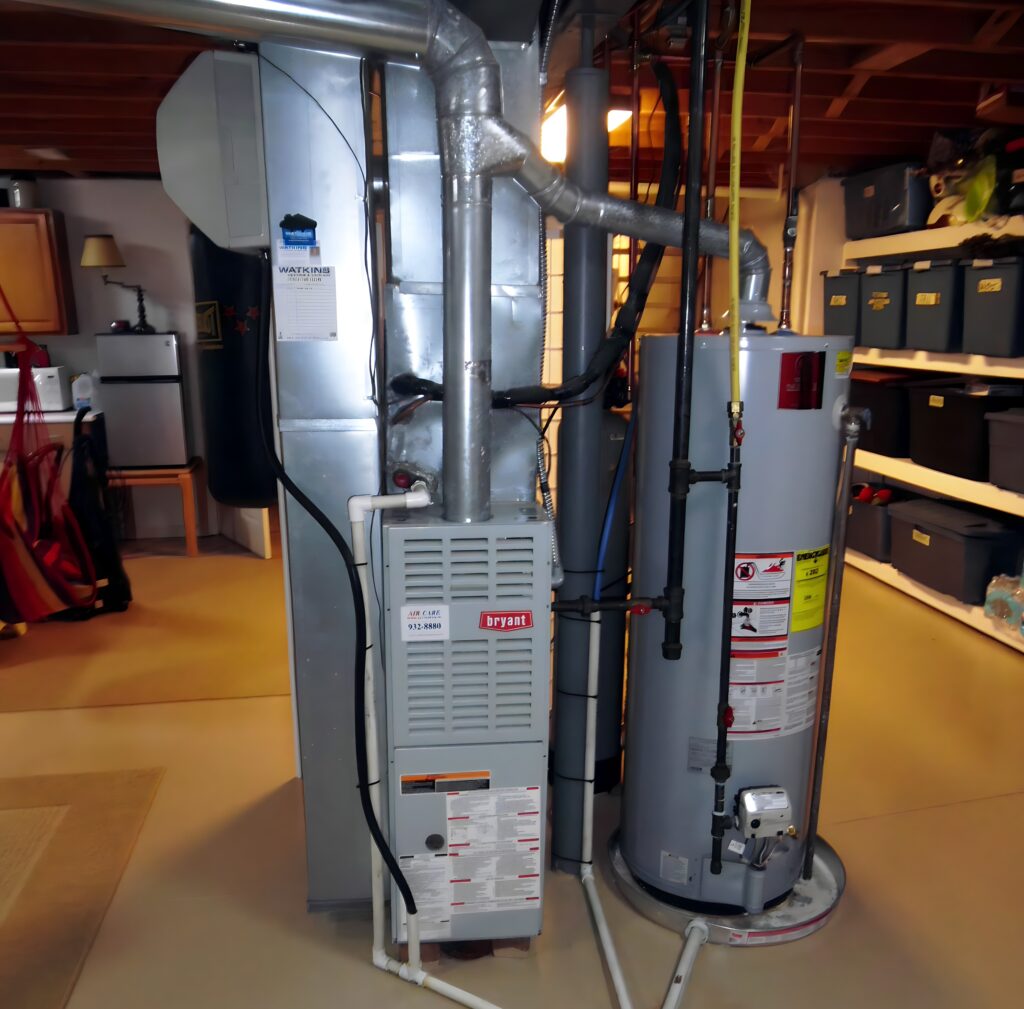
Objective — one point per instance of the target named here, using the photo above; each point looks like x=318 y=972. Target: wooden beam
x=857 y=84
x=777 y=129
x=892 y=56
x=109 y=62
x=996 y=27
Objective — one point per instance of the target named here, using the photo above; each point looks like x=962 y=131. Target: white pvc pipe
x=611 y=957
x=696 y=936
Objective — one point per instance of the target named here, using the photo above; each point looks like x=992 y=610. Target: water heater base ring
x=806 y=910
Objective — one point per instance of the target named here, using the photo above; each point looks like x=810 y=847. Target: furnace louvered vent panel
x=487 y=680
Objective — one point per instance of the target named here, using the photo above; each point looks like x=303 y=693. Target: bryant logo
x=506 y=620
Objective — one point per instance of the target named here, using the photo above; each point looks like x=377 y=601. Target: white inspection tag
x=737 y=847
x=424 y=623
x=305 y=298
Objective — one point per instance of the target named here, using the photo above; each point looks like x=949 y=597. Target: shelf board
x=925 y=360
x=984 y=494
x=930 y=240
x=972 y=616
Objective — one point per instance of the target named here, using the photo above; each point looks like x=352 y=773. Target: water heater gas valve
x=764 y=812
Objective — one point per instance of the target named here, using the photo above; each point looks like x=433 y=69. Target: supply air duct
x=476 y=144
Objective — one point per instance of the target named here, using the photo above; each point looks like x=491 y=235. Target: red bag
x=44 y=562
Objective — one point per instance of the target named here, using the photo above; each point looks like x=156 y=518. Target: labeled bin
x=1006 y=449
x=948 y=430
x=884 y=393
x=842 y=303
x=952 y=550
x=882 y=303
x=935 y=306
x=994 y=307
x=886 y=201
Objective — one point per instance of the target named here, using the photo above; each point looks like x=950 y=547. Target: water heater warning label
x=780 y=705
x=763 y=576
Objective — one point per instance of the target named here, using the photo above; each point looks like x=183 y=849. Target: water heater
x=794 y=391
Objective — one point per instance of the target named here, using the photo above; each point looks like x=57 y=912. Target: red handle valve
x=640 y=610
x=729 y=717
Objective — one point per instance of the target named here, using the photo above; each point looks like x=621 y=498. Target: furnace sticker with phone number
x=425 y=623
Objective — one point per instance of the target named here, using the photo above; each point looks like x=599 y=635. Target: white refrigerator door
x=145 y=423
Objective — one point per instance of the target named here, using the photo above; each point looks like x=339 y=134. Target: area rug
x=64 y=842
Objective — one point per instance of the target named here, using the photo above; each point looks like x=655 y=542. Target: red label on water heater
x=801 y=380
x=506 y=620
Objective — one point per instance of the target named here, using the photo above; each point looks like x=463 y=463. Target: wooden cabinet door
x=34 y=273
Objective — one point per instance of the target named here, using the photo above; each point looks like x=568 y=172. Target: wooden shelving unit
x=986 y=495
x=925 y=360
x=936 y=243
x=972 y=616
x=931 y=240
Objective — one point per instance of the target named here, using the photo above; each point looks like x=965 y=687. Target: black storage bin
x=869 y=530
x=886 y=201
x=884 y=393
x=950 y=549
x=1006 y=449
x=935 y=306
x=882 y=303
x=842 y=303
x=994 y=307
x=947 y=426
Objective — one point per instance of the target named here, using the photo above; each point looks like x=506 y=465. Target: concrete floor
x=925 y=803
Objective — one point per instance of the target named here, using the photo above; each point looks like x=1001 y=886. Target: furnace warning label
x=430 y=879
x=811 y=581
x=760 y=619
x=763 y=576
x=494 y=844
x=779 y=706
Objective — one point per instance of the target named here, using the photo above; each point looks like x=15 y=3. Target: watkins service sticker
x=506 y=620
x=424 y=623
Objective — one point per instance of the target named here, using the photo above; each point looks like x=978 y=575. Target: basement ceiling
x=880 y=77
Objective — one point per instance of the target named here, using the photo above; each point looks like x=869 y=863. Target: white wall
x=153 y=237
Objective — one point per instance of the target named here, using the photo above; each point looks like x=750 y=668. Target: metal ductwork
x=476 y=144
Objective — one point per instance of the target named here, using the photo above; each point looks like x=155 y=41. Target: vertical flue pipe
x=467 y=347
x=579 y=448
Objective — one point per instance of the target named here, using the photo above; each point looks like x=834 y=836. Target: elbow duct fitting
x=476 y=144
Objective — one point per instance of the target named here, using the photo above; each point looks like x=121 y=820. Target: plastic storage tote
x=951 y=550
x=870 y=529
x=884 y=393
x=842 y=303
x=882 y=301
x=947 y=426
x=994 y=307
x=935 y=306
x=886 y=201
x=1006 y=449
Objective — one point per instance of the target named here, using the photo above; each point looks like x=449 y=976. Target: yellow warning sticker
x=810 y=578
x=844 y=362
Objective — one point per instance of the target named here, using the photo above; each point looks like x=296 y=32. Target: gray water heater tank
x=794 y=389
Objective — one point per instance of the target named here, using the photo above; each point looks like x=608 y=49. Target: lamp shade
x=101 y=250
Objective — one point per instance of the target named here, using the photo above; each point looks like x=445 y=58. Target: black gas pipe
x=679 y=466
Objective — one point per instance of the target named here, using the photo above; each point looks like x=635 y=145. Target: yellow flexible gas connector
x=735 y=150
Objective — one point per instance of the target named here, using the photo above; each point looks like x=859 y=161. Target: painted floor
x=924 y=801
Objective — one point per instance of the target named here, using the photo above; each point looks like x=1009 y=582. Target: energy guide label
x=779 y=706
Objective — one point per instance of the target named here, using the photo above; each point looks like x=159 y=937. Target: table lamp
x=101 y=251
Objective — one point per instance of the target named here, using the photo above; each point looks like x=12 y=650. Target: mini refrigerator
x=142 y=398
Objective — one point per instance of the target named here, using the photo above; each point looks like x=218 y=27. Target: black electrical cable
x=358 y=601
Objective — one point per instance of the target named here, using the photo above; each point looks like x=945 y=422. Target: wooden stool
x=169 y=476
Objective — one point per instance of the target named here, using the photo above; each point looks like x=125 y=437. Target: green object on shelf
x=979 y=188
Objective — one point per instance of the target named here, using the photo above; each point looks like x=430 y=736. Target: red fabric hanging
x=44 y=563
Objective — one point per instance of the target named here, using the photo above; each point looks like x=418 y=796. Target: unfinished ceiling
x=79 y=95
